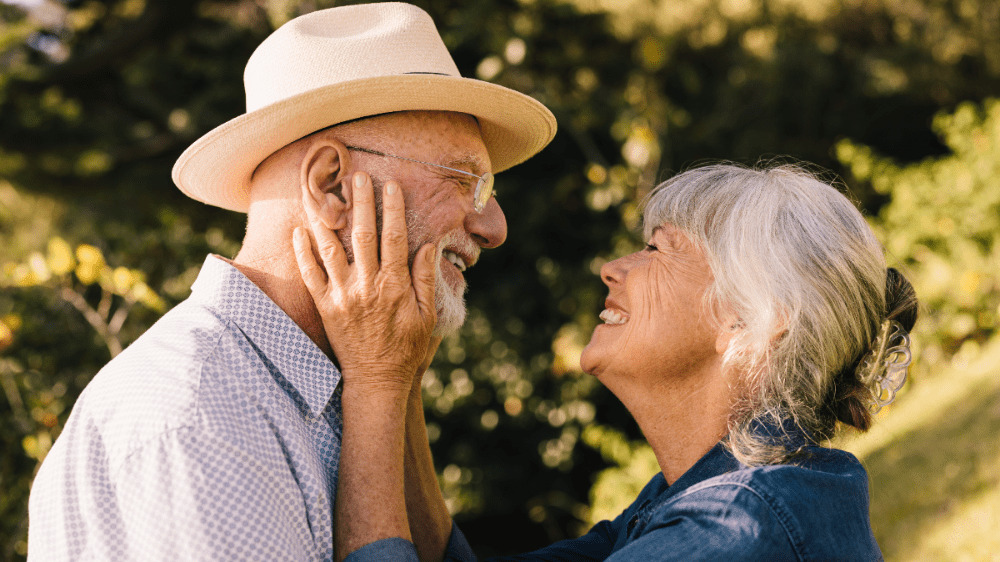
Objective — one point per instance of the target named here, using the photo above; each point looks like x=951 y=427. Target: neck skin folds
x=681 y=417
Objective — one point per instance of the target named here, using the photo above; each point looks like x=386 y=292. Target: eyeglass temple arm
x=377 y=153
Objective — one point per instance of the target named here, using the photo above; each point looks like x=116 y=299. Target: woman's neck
x=682 y=419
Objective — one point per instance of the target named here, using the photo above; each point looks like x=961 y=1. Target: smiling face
x=655 y=325
x=439 y=202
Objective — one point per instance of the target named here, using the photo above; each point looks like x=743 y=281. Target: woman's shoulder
x=818 y=476
x=813 y=466
x=818 y=502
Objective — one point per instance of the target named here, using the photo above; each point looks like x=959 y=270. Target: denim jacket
x=815 y=508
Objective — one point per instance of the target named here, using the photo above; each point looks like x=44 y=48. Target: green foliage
x=616 y=487
x=98 y=97
x=71 y=275
x=933 y=465
x=942 y=225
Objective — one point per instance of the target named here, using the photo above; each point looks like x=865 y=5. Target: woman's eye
x=650 y=247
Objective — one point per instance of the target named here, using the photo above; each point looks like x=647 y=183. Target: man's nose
x=489 y=228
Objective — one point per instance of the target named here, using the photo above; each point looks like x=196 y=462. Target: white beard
x=450 y=301
x=450 y=306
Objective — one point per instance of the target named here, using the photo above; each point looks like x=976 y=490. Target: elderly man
x=216 y=435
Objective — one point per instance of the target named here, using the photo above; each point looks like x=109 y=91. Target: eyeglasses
x=484 y=185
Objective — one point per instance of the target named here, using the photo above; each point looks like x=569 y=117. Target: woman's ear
x=729 y=326
x=325 y=171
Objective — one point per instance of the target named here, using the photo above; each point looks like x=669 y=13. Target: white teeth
x=454 y=259
x=613 y=316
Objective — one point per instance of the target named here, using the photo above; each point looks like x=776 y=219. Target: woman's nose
x=614 y=271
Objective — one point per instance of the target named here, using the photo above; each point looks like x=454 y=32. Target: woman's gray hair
x=797 y=264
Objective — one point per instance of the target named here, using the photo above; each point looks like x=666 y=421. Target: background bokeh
x=896 y=97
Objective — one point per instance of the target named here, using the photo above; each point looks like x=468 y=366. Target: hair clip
x=889 y=361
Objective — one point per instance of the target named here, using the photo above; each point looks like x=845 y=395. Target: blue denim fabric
x=815 y=508
x=402 y=550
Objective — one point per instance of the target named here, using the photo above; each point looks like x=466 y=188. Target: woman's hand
x=378 y=318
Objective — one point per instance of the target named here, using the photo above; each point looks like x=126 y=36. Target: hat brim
x=216 y=169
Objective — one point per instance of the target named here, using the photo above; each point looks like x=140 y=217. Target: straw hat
x=343 y=63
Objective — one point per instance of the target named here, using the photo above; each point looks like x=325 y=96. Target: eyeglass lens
x=484 y=190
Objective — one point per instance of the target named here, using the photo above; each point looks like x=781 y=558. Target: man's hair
x=798 y=265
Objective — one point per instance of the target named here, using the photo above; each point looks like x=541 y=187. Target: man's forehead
x=445 y=137
x=473 y=162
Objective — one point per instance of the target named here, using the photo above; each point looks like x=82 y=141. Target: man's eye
x=462 y=183
x=650 y=247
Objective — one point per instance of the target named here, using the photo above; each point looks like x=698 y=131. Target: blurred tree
x=98 y=97
x=942 y=225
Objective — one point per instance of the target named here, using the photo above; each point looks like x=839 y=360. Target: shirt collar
x=237 y=300
x=718 y=460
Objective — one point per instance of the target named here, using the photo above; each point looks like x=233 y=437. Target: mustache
x=461 y=243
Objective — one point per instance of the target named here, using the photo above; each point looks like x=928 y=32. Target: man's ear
x=325 y=174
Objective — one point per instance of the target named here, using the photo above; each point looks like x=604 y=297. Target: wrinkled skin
x=383 y=319
x=438 y=202
x=656 y=328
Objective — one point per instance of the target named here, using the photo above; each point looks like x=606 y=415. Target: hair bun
x=901 y=302
x=872 y=380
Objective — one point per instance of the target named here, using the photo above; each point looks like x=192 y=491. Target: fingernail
x=359 y=180
x=390 y=188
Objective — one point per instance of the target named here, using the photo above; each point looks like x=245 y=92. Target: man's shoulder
x=162 y=381
x=172 y=352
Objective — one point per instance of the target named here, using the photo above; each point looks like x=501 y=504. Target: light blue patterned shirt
x=215 y=436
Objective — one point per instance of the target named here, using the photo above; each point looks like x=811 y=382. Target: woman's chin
x=589 y=361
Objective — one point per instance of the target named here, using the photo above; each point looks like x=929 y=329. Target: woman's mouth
x=613 y=317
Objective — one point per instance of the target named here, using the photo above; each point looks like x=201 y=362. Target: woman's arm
x=382 y=321
x=430 y=522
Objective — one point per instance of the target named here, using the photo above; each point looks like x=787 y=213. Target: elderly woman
x=758 y=319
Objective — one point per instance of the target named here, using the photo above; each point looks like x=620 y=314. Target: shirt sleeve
x=395 y=549
x=192 y=496
x=458 y=549
x=398 y=549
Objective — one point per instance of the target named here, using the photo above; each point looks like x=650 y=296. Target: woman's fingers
x=314 y=208
x=330 y=251
x=312 y=275
x=424 y=277
x=364 y=237
x=395 y=252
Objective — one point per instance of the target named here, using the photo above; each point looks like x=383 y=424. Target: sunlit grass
x=934 y=464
